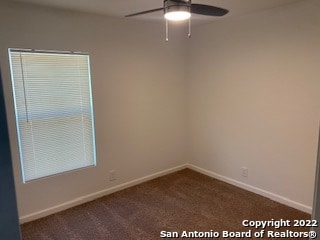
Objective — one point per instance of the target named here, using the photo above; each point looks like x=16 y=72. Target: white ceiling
x=120 y=8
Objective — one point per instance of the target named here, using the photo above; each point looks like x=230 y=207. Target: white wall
x=138 y=90
x=254 y=99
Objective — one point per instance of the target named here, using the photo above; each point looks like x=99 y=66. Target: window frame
x=91 y=112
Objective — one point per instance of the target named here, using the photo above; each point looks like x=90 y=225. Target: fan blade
x=208 y=10
x=144 y=12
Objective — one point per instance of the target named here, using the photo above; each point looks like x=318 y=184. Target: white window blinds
x=54 y=112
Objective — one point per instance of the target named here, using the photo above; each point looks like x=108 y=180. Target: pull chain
x=189 y=34
x=167 y=31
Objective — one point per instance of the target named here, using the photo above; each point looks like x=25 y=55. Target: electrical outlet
x=245 y=172
x=112 y=175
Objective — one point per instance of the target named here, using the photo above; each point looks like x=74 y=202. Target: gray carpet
x=182 y=201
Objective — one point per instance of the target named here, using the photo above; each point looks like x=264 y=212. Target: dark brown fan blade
x=208 y=10
x=144 y=12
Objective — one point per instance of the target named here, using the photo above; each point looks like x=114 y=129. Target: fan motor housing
x=171 y=6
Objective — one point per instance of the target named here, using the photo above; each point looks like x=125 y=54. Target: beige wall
x=138 y=89
x=241 y=92
x=254 y=100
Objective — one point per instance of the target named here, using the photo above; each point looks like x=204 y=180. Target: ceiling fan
x=178 y=10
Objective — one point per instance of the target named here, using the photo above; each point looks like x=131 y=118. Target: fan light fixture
x=177 y=13
x=174 y=11
x=177 y=16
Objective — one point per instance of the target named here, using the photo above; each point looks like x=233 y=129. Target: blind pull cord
x=24 y=89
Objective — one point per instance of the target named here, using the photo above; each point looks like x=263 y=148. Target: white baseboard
x=273 y=196
x=92 y=196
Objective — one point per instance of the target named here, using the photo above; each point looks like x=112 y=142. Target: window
x=54 y=111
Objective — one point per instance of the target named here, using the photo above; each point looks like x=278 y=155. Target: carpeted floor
x=182 y=201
